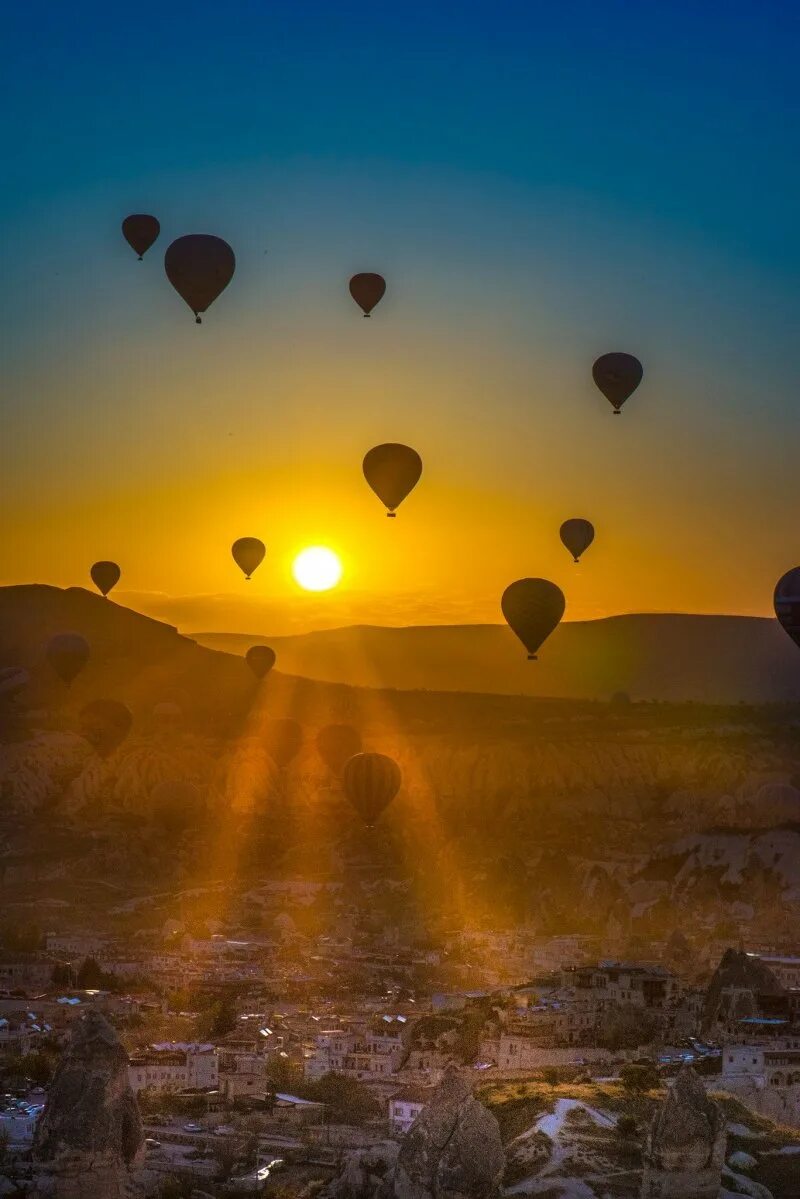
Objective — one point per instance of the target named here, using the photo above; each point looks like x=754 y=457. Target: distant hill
x=709 y=659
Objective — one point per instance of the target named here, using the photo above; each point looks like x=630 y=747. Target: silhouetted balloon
x=176 y=804
x=617 y=375
x=283 y=740
x=367 y=290
x=577 y=535
x=787 y=603
x=105 y=575
x=140 y=231
x=248 y=553
x=260 y=659
x=533 y=608
x=13 y=679
x=199 y=267
x=392 y=470
x=67 y=653
x=105 y=723
x=371 y=782
x=337 y=744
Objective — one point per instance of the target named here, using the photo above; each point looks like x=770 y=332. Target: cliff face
x=90 y=1135
x=453 y=1151
x=686 y=1147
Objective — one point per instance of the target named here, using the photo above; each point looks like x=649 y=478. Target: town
x=255 y=1055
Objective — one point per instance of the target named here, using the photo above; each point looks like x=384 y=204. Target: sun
x=317 y=568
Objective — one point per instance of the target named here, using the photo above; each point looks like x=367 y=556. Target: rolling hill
x=706 y=659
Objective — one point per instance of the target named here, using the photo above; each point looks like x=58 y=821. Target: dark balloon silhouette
x=371 y=782
x=140 y=230
x=260 y=659
x=577 y=535
x=199 y=267
x=392 y=471
x=105 y=576
x=248 y=553
x=283 y=740
x=367 y=290
x=105 y=723
x=176 y=804
x=337 y=744
x=13 y=679
x=533 y=608
x=787 y=603
x=617 y=375
x=67 y=653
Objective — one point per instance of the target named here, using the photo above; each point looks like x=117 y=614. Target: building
x=174 y=1067
x=25 y=971
x=405 y=1106
x=771 y=1064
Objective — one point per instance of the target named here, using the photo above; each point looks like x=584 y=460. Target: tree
x=90 y=976
x=639 y=1078
x=347 y=1101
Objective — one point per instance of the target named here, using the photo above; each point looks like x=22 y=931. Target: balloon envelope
x=260 y=659
x=577 y=535
x=199 y=267
x=367 y=290
x=248 y=553
x=371 y=782
x=67 y=653
x=617 y=375
x=105 y=575
x=140 y=230
x=392 y=470
x=283 y=739
x=787 y=603
x=105 y=723
x=337 y=744
x=533 y=608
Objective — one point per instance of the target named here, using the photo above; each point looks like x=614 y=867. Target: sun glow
x=317 y=569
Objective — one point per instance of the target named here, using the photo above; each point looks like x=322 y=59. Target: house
x=405 y=1106
x=174 y=1067
x=25 y=971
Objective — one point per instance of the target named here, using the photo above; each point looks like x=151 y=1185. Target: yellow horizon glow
x=317 y=568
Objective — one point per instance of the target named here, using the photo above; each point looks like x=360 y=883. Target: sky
x=538 y=183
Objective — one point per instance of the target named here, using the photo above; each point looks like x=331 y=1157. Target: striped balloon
x=371 y=782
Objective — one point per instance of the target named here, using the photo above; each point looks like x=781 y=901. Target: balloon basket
x=391 y=515
x=532 y=658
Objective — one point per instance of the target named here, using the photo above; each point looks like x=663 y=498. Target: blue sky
x=538 y=182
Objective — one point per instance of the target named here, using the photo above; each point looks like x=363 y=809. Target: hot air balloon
x=260 y=659
x=176 y=803
x=67 y=653
x=105 y=723
x=337 y=744
x=392 y=470
x=105 y=576
x=282 y=740
x=617 y=375
x=371 y=782
x=787 y=603
x=577 y=535
x=140 y=231
x=199 y=267
x=248 y=553
x=367 y=290
x=533 y=608
x=13 y=679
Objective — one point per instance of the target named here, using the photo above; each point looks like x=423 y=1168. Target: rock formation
x=452 y=1151
x=685 y=1151
x=90 y=1135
